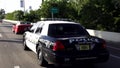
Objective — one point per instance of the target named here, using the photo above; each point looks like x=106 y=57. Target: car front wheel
x=24 y=46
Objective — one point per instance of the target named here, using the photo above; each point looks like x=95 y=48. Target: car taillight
x=104 y=44
x=58 y=46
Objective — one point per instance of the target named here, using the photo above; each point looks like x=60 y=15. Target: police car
x=64 y=42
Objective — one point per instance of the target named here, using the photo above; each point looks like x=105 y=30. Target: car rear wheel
x=41 y=59
x=25 y=47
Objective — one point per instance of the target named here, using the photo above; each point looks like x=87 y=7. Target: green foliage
x=94 y=17
x=117 y=24
x=2 y=13
x=9 y=16
x=65 y=10
x=93 y=14
x=78 y=5
x=32 y=16
x=99 y=14
x=16 y=15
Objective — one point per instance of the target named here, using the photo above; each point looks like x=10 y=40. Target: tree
x=9 y=16
x=2 y=13
x=18 y=15
x=93 y=14
x=65 y=10
x=32 y=16
x=96 y=14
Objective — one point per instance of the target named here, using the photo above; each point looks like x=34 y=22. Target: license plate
x=84 y=47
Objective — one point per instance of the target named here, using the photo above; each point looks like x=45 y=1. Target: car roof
x=57 y=22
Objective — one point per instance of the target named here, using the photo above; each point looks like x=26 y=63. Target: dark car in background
x=21 y=27
x=64 y=42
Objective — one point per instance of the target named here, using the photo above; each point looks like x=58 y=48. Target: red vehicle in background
x=21 y=27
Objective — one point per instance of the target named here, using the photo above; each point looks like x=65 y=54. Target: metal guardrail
x=11 y=21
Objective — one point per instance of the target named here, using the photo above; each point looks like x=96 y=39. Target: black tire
x=42 y=61
x=25 y=47
x=15 y=32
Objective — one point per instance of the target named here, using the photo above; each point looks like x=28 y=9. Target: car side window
x=39 y=29
x=32 y=30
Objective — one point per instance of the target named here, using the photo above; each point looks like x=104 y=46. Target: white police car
x=64 y=42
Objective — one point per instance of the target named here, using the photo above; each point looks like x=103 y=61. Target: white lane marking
x=114 y=48
x=114 y=56
x=16 y=66
x=0 y=35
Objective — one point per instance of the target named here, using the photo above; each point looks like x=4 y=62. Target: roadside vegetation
x=93 y=14
x=2 y=14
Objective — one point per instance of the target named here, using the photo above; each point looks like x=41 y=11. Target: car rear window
x=66 y=30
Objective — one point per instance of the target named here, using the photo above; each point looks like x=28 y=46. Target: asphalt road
x=12 y=54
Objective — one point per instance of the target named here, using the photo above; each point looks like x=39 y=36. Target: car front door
x=34 y=37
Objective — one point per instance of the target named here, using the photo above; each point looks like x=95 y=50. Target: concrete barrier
x=111 y=36
x=11 y=21
x=14 y=22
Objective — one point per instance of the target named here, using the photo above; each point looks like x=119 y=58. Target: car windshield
x=66 y=30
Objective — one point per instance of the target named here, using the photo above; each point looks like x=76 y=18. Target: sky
x=12 y=5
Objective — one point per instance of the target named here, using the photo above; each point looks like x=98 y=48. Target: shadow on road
x=12 y=40
x=72 y=66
